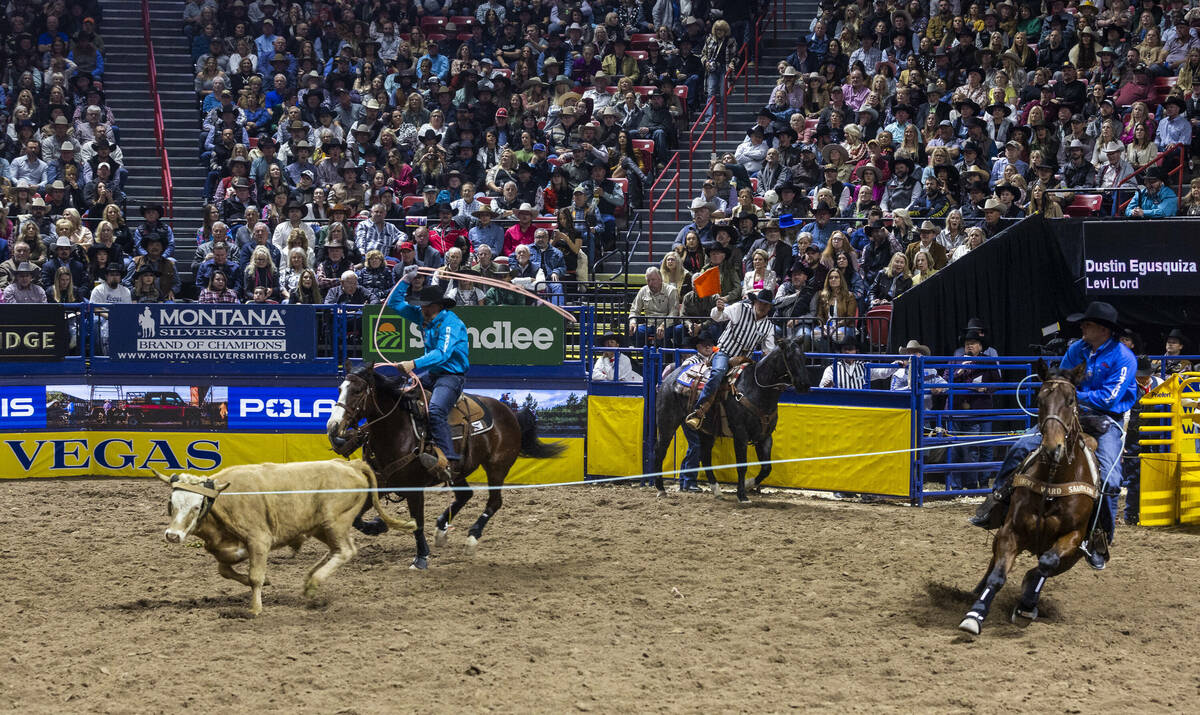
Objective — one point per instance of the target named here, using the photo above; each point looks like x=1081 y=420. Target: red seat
x=464 y=20
x=639 y=55
x=553 y=161
x=641 y=40
x=754 y=184
x=646 y=147
x=681 y=92
x=610 y=89
x=1084 y=205
x=504 y=71
x=1166 y=82
x=435 y=37
x=485 y=200
x=463 y=37
x=253 y=142
x=879 y=324
x=758 y=201
x=432 y=21
x=644 y=90
x=408 y=201
x=811 y=122
x=624 y=184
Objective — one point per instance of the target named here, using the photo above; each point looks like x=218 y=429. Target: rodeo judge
x=445 y=362
x=748 y=330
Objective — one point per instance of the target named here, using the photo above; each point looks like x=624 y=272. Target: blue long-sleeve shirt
x=1160 y=205
x=447 y=345
x=1109 y=385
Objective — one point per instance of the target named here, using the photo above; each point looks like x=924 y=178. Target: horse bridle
x=787 y=365
x=1071 y=430
x=363 y=436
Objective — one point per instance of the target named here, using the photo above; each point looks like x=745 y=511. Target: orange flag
x=707 y=283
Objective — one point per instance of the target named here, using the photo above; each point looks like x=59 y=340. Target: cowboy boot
x=1095 y=550
x=991 y=513
x=696 y=419
x=429 y=461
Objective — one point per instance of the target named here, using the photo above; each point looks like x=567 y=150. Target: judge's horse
x=397 y=432
x=751 y=410
x=1054 y=492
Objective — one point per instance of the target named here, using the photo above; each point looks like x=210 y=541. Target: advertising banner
x=31 y=333
x=500 y=335
x=23 y=407
x=213 y=333
x=292 y=408
x=1158 y=261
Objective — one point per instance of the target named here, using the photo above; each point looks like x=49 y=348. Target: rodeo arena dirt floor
x=598 y=598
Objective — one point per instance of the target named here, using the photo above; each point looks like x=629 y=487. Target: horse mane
x=392 y=386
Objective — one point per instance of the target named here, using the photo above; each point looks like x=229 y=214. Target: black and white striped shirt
x=851 y=375
x=744 y=333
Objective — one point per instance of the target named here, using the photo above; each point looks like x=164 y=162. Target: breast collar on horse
x=365 y=440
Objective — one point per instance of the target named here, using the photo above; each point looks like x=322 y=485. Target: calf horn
x=165 y=479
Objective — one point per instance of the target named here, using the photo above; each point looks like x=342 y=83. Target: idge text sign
x=33 y=333
x=191 y=332
x=500 y=335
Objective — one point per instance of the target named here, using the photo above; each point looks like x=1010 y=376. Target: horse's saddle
x=696 y=375
x=1093 y=487
x=470 y=417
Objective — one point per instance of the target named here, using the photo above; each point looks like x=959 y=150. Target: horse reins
x=1072 y=430
x=365 y=430
x=777 y=385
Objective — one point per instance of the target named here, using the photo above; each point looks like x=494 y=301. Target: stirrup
x=695 y=420
x=1095 y=550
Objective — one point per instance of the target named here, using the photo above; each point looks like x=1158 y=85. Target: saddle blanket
x=696 y=375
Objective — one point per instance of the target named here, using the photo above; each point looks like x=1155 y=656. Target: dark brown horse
x=395 y=433
x=1052 y=501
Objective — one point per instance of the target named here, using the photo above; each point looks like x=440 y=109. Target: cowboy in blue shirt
x=1107 y=392
x=445 y=362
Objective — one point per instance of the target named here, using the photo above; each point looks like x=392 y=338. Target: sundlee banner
x=189 y=332
x=33 y=332
x=1156 y=261
x=500 y=335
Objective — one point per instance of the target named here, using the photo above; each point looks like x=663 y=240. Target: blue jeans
x=1108 y=450
x=1131 y=472
x=714 y=87
x=974 y=479
x=720 y=366
x=444 y=391
x=691 y=458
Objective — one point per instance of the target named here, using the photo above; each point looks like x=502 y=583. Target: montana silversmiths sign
x=187 y=332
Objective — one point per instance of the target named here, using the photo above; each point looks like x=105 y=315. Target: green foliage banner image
x=500 y=335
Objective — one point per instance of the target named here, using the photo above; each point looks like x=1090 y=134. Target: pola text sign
x=499 y=335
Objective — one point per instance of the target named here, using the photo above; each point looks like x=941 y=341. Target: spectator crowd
x=901 y=136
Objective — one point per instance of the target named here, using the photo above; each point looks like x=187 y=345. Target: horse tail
x=531 y=446
x=393 y=522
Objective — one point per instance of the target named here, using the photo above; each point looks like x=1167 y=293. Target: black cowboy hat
x=714 y=246
x=434 y=294
x=763 y=296
x=734 y=234
x=1177 y=102
x=966 y=102
x=998 y=105
x=975 y=335
x=152 y=207
x=1177 y=334
x=610 y=335
x=143 y=270
x=1098 y=312
x=903 y=160
x=1156 y=172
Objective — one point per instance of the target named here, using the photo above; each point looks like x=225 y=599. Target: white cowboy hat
x=915 y=346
